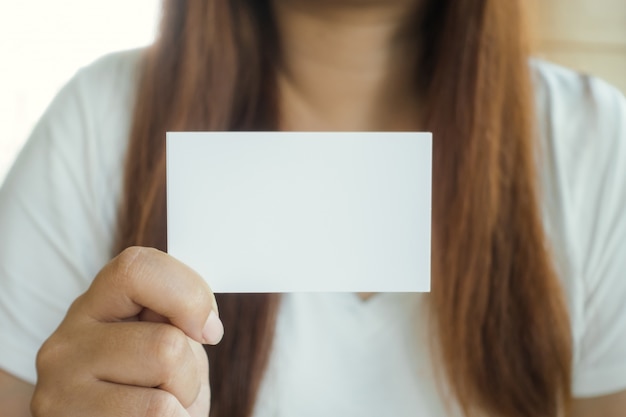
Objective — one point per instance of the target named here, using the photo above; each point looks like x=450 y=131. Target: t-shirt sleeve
x=600 y=366
x=57 y=211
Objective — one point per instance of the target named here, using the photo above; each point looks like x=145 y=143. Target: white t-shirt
x=334 y=355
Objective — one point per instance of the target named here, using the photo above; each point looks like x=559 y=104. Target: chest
x=336 y=355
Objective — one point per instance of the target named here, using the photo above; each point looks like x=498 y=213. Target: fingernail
x=213 y=330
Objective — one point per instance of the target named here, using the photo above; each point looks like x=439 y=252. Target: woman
x=525 y=317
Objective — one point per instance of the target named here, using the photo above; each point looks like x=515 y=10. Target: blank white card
x=302 y=211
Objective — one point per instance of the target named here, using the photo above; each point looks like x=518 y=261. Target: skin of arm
x=15 y=396
x=612 y=405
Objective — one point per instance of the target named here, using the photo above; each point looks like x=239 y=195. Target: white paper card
x=300 y=212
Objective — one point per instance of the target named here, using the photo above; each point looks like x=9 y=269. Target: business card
x=302 y=211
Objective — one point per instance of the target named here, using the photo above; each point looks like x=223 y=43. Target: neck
x=347 y=64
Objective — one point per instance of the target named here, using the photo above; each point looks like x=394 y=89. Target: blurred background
x=588 y=35
x=43 y=43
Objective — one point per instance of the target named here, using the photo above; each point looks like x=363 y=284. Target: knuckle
x=171 y=349
x=129 y=267
x=41 y=403
x=52 y=352
x=161 y=403
x=129 y=260
x=50 y=398
x=52 y=393
x=74 y=310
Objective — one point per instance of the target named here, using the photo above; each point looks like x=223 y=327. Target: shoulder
x=582 y=152
x=68 y=176
x=70 y=171
x=576 y=110
x=582 y=163
x=581 y=122
x=553 y=81
x=83 y=134
x=96 y=103
x=582 y=167
x=582 y=146
x=88 y=122
x=116 y=68
x=106 y=84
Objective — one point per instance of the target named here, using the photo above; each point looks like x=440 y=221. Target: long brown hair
x=500 y=326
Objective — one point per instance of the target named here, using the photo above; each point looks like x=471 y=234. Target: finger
x=201 y=406
x=147 y=278
x=145 y=355
x=152 y=317
x=104 y=399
